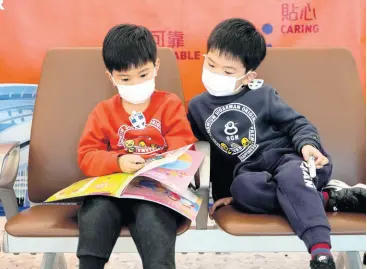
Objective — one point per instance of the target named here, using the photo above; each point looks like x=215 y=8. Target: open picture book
x=165 y=180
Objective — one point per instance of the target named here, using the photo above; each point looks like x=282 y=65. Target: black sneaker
x=322 y=262
x=345 y=198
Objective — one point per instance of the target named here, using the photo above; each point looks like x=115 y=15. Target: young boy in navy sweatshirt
x=265 y=144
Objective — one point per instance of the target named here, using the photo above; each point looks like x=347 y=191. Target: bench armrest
x=203 y=187
x=9 y=164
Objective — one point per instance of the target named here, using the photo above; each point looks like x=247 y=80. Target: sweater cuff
x=112 y=162
x=308 y=141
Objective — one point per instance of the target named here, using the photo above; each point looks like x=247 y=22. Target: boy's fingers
x=132 y=167
x=320 y=159
x=228 y=201
x=319 y=166
x=318 y=162
x=137 y=160
x=137 y=166
x=211 y=211
x=321 y=162
x=140 y=159
x=214 y=207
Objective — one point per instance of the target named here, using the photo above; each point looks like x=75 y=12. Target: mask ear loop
x=236 y=90
x=114 y=82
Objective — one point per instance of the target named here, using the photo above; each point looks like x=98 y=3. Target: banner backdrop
x=29 y=28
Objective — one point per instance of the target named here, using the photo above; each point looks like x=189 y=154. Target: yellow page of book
x=109 y=185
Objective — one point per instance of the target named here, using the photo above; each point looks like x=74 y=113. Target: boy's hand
x=320 y=160
x=220 y=203
x=131 y=163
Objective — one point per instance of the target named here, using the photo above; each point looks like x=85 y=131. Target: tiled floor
x=189 y=261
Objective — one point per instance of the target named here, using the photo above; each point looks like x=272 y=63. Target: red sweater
x=111 y=132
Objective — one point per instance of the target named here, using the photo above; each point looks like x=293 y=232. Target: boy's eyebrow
x=122 y=75
x=230 y=67
x=145 y=69
x=227 y=67
x=126 y=75
x=210 y=59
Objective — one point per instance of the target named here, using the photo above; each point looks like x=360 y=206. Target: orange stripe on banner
x=29 y=28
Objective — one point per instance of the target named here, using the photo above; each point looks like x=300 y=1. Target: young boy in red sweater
x=119 y=135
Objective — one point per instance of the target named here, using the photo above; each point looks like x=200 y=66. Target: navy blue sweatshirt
x=243 y=126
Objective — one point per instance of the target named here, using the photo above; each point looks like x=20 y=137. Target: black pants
x=153 y=228
x=279 y=182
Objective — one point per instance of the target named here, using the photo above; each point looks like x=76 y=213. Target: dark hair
x=128 y=46
x=238 y=38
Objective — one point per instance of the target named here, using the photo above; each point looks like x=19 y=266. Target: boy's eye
x=143 y=75
x=211 y=65
x=125 y=79
x=228 y=73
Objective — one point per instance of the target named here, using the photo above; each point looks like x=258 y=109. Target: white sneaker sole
x=334 y=183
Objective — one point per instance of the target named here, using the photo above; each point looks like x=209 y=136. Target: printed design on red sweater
x=141 y=137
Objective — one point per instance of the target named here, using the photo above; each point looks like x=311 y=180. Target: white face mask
x=220 y=85
x=138 y=93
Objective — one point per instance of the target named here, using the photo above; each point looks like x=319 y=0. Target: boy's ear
x=251 y=75
x=157 y=65
x=109 y=75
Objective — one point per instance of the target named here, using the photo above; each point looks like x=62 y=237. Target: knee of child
x=239 y=187
x=290 y=169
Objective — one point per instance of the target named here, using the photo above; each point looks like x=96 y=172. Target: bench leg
x=61 y=261
x=53 y=261
x=349 y=260
x=353 y=260
x=340 y=261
